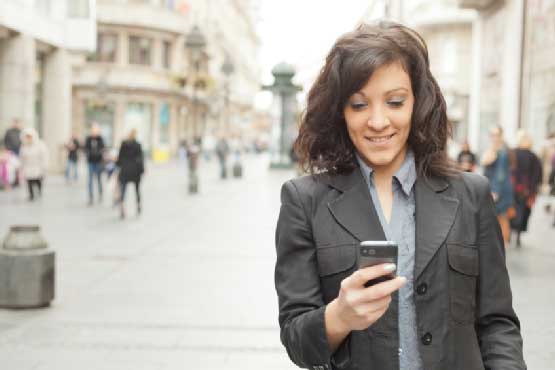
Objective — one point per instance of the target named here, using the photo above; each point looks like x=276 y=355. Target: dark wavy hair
x=324 y=145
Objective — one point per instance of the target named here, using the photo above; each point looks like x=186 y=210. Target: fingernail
x=403 y=279
x=390 y=267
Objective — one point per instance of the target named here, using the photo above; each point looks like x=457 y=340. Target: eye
x=395 y=103
x=358 y=105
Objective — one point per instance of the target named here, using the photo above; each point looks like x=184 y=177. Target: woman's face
x=379 y=117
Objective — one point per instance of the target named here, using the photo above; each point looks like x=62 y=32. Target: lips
x=380 y=139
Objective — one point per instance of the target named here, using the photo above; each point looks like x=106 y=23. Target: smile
x=381 y=139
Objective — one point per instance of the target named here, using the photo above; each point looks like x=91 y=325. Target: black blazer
x=130 y=161
x=462 y=294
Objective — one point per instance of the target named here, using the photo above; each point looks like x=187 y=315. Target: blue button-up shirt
x=401 y=229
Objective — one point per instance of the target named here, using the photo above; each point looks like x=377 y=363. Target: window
x=139 y=116
x=166 y=54
x=140 y=50
x=106 y=48
x=164 y=119
x=103 y=114
x=78 y=9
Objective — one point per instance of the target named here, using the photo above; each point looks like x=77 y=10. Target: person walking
x=94 y=149
x=527 y=179
x=374 y=140
x=12 y=142
x=131 y=168
x=34 y=161
x=72 y=147
x=497 y=168
x=466 y=158
x=12 y=138
x=222 y=151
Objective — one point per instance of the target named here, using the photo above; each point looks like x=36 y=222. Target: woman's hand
x=489 y=157
x=357 y=307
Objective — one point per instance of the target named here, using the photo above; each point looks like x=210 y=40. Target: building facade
x=448 y=32
x=40 y=40
x=538 y=72
x=143 y=75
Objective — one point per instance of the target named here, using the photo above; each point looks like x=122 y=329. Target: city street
x=189 y=283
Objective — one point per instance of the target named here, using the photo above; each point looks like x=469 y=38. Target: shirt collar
x=405 y=175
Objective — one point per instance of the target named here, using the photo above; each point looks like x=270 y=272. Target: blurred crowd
x=516 y=177
x=24 y=161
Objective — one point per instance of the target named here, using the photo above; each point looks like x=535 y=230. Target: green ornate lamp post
x=284 y=90
x=227 y=69
x=195 y=42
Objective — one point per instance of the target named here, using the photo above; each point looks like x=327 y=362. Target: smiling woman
x=374 y=138
x=367 y=56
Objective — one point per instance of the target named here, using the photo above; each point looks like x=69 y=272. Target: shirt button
x=422 y=289
x=427 y=339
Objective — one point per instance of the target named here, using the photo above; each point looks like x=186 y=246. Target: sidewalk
x=189 y=284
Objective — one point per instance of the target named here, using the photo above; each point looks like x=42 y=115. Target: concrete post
x=27 y=269
x=56 y=98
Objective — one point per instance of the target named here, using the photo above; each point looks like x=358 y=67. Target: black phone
x=376 y=252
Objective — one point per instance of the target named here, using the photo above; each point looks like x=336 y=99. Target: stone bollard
x=26 y=269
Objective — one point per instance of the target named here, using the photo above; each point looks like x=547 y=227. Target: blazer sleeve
x=301 y=305
x=497 y=326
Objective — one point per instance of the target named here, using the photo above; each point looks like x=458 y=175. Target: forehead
x=386 y=78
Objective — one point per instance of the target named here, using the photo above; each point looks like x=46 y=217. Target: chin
x=380 y=160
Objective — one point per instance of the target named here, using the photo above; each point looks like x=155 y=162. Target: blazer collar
x=436 y=210
x=354 y=209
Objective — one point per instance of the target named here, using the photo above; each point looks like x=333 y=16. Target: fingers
x=384 y=289
x=360 y=277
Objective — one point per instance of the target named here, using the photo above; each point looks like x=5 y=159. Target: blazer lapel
x=354 y=209
x=435 y=214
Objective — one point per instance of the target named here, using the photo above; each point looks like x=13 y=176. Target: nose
x=378 y=120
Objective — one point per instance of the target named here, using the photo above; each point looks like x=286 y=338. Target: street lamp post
x=227 y=69
x=195 y=42
x=284 y=88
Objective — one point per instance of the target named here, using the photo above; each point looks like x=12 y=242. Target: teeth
x=380 y=139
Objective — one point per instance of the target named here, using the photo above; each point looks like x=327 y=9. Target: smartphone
x=371 y=253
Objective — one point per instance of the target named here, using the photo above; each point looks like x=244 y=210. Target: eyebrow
x=387 y=92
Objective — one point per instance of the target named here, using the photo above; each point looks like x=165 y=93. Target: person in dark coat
x=374 y=139
x=527 y=178
x=466 y=158
x=94 y=150
x=131 y=168
x=72 y=147
x=12 y=138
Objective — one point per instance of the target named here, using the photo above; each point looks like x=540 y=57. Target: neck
x=384 y=174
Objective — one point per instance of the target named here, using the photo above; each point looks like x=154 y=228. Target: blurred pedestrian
x=222 y=151
x=193 y=153
x=94 y=149
x=466 y=158
x=497 y=168
x=72 y=147
x=12 y=141
x=34 y=161
x=131 y=168
x=8 y=167
x=527 y=178
x=12 y=138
